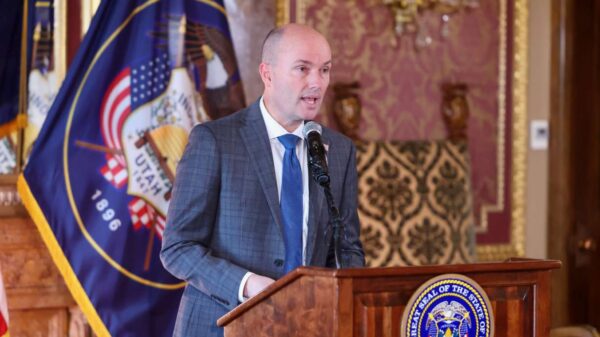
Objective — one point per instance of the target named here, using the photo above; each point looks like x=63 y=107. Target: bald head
x=295 y=66
x=270 y=45
x=286 y=34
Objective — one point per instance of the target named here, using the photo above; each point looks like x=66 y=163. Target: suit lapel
x=255 y=137
x=317 y=203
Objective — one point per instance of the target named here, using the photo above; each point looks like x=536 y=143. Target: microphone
x=320 y=172
x=316 y=153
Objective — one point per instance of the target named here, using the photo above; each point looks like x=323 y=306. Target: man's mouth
x=311 y=100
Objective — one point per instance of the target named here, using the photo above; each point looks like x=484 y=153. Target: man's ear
x=264 y=70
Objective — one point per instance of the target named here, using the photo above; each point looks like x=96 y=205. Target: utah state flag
x=99 y=178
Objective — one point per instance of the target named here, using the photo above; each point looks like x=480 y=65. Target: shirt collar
x=274 y=129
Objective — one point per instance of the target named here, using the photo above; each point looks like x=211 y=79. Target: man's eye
x=325 y=70
x=302 y=68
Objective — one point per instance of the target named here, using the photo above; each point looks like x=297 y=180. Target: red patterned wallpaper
x=401 y=87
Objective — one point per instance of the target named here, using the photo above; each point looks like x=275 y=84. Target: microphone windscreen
x=311 y=127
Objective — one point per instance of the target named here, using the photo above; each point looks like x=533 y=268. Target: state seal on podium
x=448 y=305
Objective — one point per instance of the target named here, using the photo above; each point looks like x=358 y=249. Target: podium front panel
x=379 y=303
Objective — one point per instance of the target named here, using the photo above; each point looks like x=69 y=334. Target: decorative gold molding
x=284 y=10
x=516 y=247
x=300 y=11
x=519 y=161
x=60 y=39
x=498 y=206
x=282 y=15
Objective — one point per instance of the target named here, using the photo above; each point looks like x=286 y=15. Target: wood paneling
x=38 y=299
x=574 y=198
x=39 y=322
x=298 y=310
x=380 y=313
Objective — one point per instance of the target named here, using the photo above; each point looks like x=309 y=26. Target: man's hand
x=256 y=284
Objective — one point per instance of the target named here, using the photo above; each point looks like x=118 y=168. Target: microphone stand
x=322 y=178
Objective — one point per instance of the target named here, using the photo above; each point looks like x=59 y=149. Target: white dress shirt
x=274 y=130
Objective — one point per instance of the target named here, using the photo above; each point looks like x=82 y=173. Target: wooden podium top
x=512 y=265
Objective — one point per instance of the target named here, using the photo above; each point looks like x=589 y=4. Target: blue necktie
x=291 y=203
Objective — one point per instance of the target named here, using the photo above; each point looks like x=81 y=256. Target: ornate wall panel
x=414 y=203
x=401 y=93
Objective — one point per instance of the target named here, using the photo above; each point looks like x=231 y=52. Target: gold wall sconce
x=409 y=16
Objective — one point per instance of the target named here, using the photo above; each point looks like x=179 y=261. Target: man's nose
x=316 y=79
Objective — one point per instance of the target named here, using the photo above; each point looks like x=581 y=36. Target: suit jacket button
x=278 y=262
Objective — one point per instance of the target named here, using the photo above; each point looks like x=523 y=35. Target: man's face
x=298 y=78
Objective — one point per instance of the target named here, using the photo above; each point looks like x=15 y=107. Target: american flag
x=131 y=88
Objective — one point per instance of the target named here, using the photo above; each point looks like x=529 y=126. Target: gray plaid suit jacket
x=224 y=218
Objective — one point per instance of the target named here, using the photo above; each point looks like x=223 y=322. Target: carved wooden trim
x=78 y=325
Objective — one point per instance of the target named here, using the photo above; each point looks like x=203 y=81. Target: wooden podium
x=370 y=301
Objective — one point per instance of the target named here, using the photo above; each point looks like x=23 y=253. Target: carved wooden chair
x=414 y=197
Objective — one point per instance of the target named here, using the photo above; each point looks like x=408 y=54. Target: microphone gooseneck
x=320 y=172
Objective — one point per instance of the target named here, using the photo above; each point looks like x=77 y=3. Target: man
x=244 y=210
